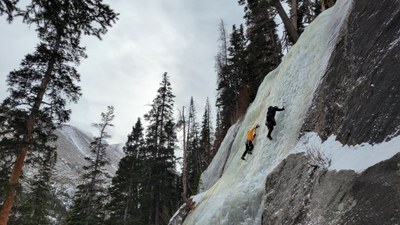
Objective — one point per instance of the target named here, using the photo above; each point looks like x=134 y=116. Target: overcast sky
x=125 y=68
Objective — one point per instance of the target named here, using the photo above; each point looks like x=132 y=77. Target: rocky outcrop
x=359 y=97
x=358 y=100
x=299 y=194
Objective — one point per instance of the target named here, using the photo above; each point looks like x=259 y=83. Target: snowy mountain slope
x=72 y=148
x=242 y=194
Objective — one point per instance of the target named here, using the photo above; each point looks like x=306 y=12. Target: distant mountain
x=72 y=148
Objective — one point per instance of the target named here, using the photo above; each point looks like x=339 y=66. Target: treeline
x=147 y=188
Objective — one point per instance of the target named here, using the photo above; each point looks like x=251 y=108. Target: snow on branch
x=316 y=158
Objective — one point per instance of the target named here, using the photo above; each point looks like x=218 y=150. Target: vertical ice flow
x=236 y=198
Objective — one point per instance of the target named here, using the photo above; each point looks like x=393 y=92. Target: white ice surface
x=236 y=198
x=214 y=171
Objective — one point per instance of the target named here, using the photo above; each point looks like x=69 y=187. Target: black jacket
x=272 y=111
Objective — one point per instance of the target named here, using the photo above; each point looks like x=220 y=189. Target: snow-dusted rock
x=72 y=148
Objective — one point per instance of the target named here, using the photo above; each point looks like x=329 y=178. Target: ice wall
x=214 y=171
x=236 y=198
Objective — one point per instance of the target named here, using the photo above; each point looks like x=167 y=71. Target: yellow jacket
x=250 y=134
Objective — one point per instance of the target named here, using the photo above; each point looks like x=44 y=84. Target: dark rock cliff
x=359 y=97
x=358 y=100
x=298 y=194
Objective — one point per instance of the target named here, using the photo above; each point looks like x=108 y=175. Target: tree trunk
x=331 y=3
x=157 y=209
x=286 y=21
x=294 y=14
x=27 y=138
x=163 y=96
x=322 y=5
x=184 y=170
x=128 y=201
x=129 y=194
x=158 y=147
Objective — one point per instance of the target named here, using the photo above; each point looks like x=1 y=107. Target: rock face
x=298 y=194
x=359 y=98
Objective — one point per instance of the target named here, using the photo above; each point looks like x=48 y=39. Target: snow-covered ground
x=237 y=197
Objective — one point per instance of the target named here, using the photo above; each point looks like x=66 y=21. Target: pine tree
x=238 y=70
x=40 y=89
x=8 y=7
x=302 y=13
x=173 y=185
x=8 y=149
x=36 y=206
x=129 y=201
x=89 y=200
x=160 y=141
x=221 y=60
x=264 y=51
x=219 y=133
x=289 y=23
x=182 y=123
x=237 y=57
x=221 y=67
x=224 y=101
x=233 y=82
x=255 y=9
x=193 y=150
x=206 y=137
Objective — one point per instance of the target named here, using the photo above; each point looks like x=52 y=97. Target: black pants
x=249 y=148
x=270 y=124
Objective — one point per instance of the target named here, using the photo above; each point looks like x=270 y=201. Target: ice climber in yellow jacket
x=251 y=134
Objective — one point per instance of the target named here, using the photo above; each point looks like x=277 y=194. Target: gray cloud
x=125 y=68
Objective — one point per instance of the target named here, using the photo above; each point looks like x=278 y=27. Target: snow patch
x=345 y=157
x=79 y=141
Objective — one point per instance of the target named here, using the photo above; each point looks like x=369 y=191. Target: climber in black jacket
x=270 y=122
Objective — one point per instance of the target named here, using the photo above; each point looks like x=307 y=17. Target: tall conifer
x=129 y=198
x=8 y=7
x=233 y=81
x=219 y=132
x=90 y=198
x=193 y=148
x=160 y=143
x=206 y=137
x=225 y=95
x=35 y=208
x=264 y=51
x=40 y=89
x=240 y=78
